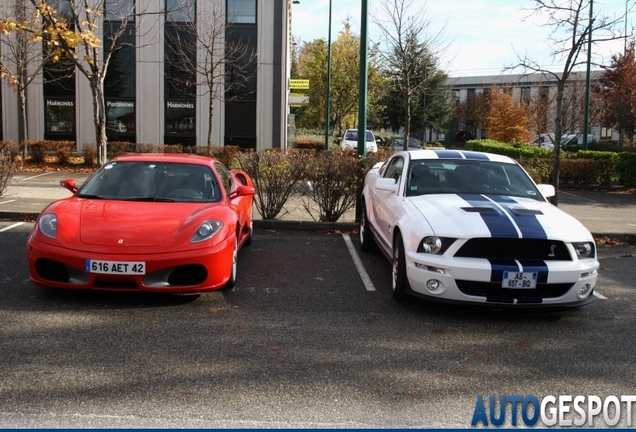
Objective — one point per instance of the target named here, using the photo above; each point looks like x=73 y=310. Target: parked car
x=471 y=227
x=116 y=126
x=397 y=144
x=149 y=222
x=350 y=141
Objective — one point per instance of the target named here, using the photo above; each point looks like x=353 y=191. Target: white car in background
x=350 y=141
x=470 y=227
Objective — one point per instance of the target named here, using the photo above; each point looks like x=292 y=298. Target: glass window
x=394 y=169
x=119 y=10
x=180 y=117
x=180 y=10
x=226 y=178
x=180 y=65
x=241 y=11
x=525 y=94
x=59 y=115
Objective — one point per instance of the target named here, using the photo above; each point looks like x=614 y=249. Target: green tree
x=345 y=77
x=418 y=96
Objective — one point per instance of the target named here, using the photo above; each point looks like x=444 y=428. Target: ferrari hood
x=497 y=216
x=129 y=223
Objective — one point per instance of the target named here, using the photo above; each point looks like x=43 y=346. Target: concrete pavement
x=609 y=214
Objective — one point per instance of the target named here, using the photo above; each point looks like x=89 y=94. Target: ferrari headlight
x=584 y=249
x=48 y=225
x=207 y=230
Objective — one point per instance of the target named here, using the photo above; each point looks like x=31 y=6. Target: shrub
x=8 y=166
x=38 y=151
x=334 y=182
x=118 y=148
x=90 y=155
x=627 y=169
x=276 y=176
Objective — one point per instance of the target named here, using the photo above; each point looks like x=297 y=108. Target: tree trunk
x=23 y=135
x=210 y=116
x=99 y=119
x=558 y=131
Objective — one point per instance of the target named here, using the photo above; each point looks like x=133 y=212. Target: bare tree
x=410 y=52
x=571 y=30
x=71 y=30
x=220 y=62
x=22 y=58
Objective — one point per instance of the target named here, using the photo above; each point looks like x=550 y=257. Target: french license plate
x=115 y=267
x=519 y=280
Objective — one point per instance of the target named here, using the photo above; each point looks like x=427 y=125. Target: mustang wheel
x=367 y=242
x=399 y=282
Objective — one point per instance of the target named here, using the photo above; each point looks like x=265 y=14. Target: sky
x=483 y=35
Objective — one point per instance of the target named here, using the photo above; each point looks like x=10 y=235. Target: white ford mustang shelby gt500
x=462 y=226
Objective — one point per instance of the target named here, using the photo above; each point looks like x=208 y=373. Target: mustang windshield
x=152 y=181
x=469 y=176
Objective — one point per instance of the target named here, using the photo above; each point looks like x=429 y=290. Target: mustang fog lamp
x=584 y=290
x=433 y=285
x=584 y=249
x=48 y=225
x=206 y=230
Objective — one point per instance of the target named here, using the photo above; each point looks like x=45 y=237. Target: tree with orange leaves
x=506 y=119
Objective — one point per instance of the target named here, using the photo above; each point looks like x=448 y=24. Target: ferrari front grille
x=51 y=270
x=515 y=248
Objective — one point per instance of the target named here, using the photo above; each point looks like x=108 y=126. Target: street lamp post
x=586 y=120
x=328 y=96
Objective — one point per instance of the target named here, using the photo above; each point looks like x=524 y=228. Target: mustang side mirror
x=70 y=185
x=387 y=184
x=547 y=190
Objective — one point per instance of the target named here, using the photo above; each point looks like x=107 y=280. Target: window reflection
x=241 y=11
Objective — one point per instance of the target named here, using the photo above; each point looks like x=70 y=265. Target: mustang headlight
x=48 y=225
x=584 y=249
x=207 y=230
x=434 y=245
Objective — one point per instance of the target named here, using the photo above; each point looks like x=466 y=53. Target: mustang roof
x=458 y=154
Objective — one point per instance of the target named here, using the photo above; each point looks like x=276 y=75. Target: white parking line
x=15 y=225
x=574 y=195
x=366 y=280
x=6 y=202
x=35 y=176
x=599 y=295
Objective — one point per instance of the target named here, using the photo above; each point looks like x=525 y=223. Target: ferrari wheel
x=251 y=234
x=399 y=282
x=367 y=242
x=232 y=281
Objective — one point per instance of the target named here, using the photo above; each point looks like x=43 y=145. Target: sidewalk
x=605 y=213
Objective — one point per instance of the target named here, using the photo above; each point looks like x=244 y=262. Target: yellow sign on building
x=299 y=84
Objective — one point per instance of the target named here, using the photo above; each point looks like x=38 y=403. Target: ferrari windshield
x=152 y=181
x=426 y=176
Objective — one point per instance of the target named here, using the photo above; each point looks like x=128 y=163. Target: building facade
x=528 y=87
x=150 y=98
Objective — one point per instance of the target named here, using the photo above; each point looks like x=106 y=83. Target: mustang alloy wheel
x=399 y=282
x=367 y=242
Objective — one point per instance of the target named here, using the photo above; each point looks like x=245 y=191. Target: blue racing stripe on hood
x=528 y=224
x=498 y=223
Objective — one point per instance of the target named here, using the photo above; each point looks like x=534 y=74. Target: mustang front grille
x=494 y=292
x=514 y=248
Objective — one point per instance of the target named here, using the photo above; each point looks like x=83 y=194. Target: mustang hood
x=497 y=216
x=129 y=223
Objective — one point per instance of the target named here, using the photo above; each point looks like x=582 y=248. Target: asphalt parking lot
x=303 y=340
